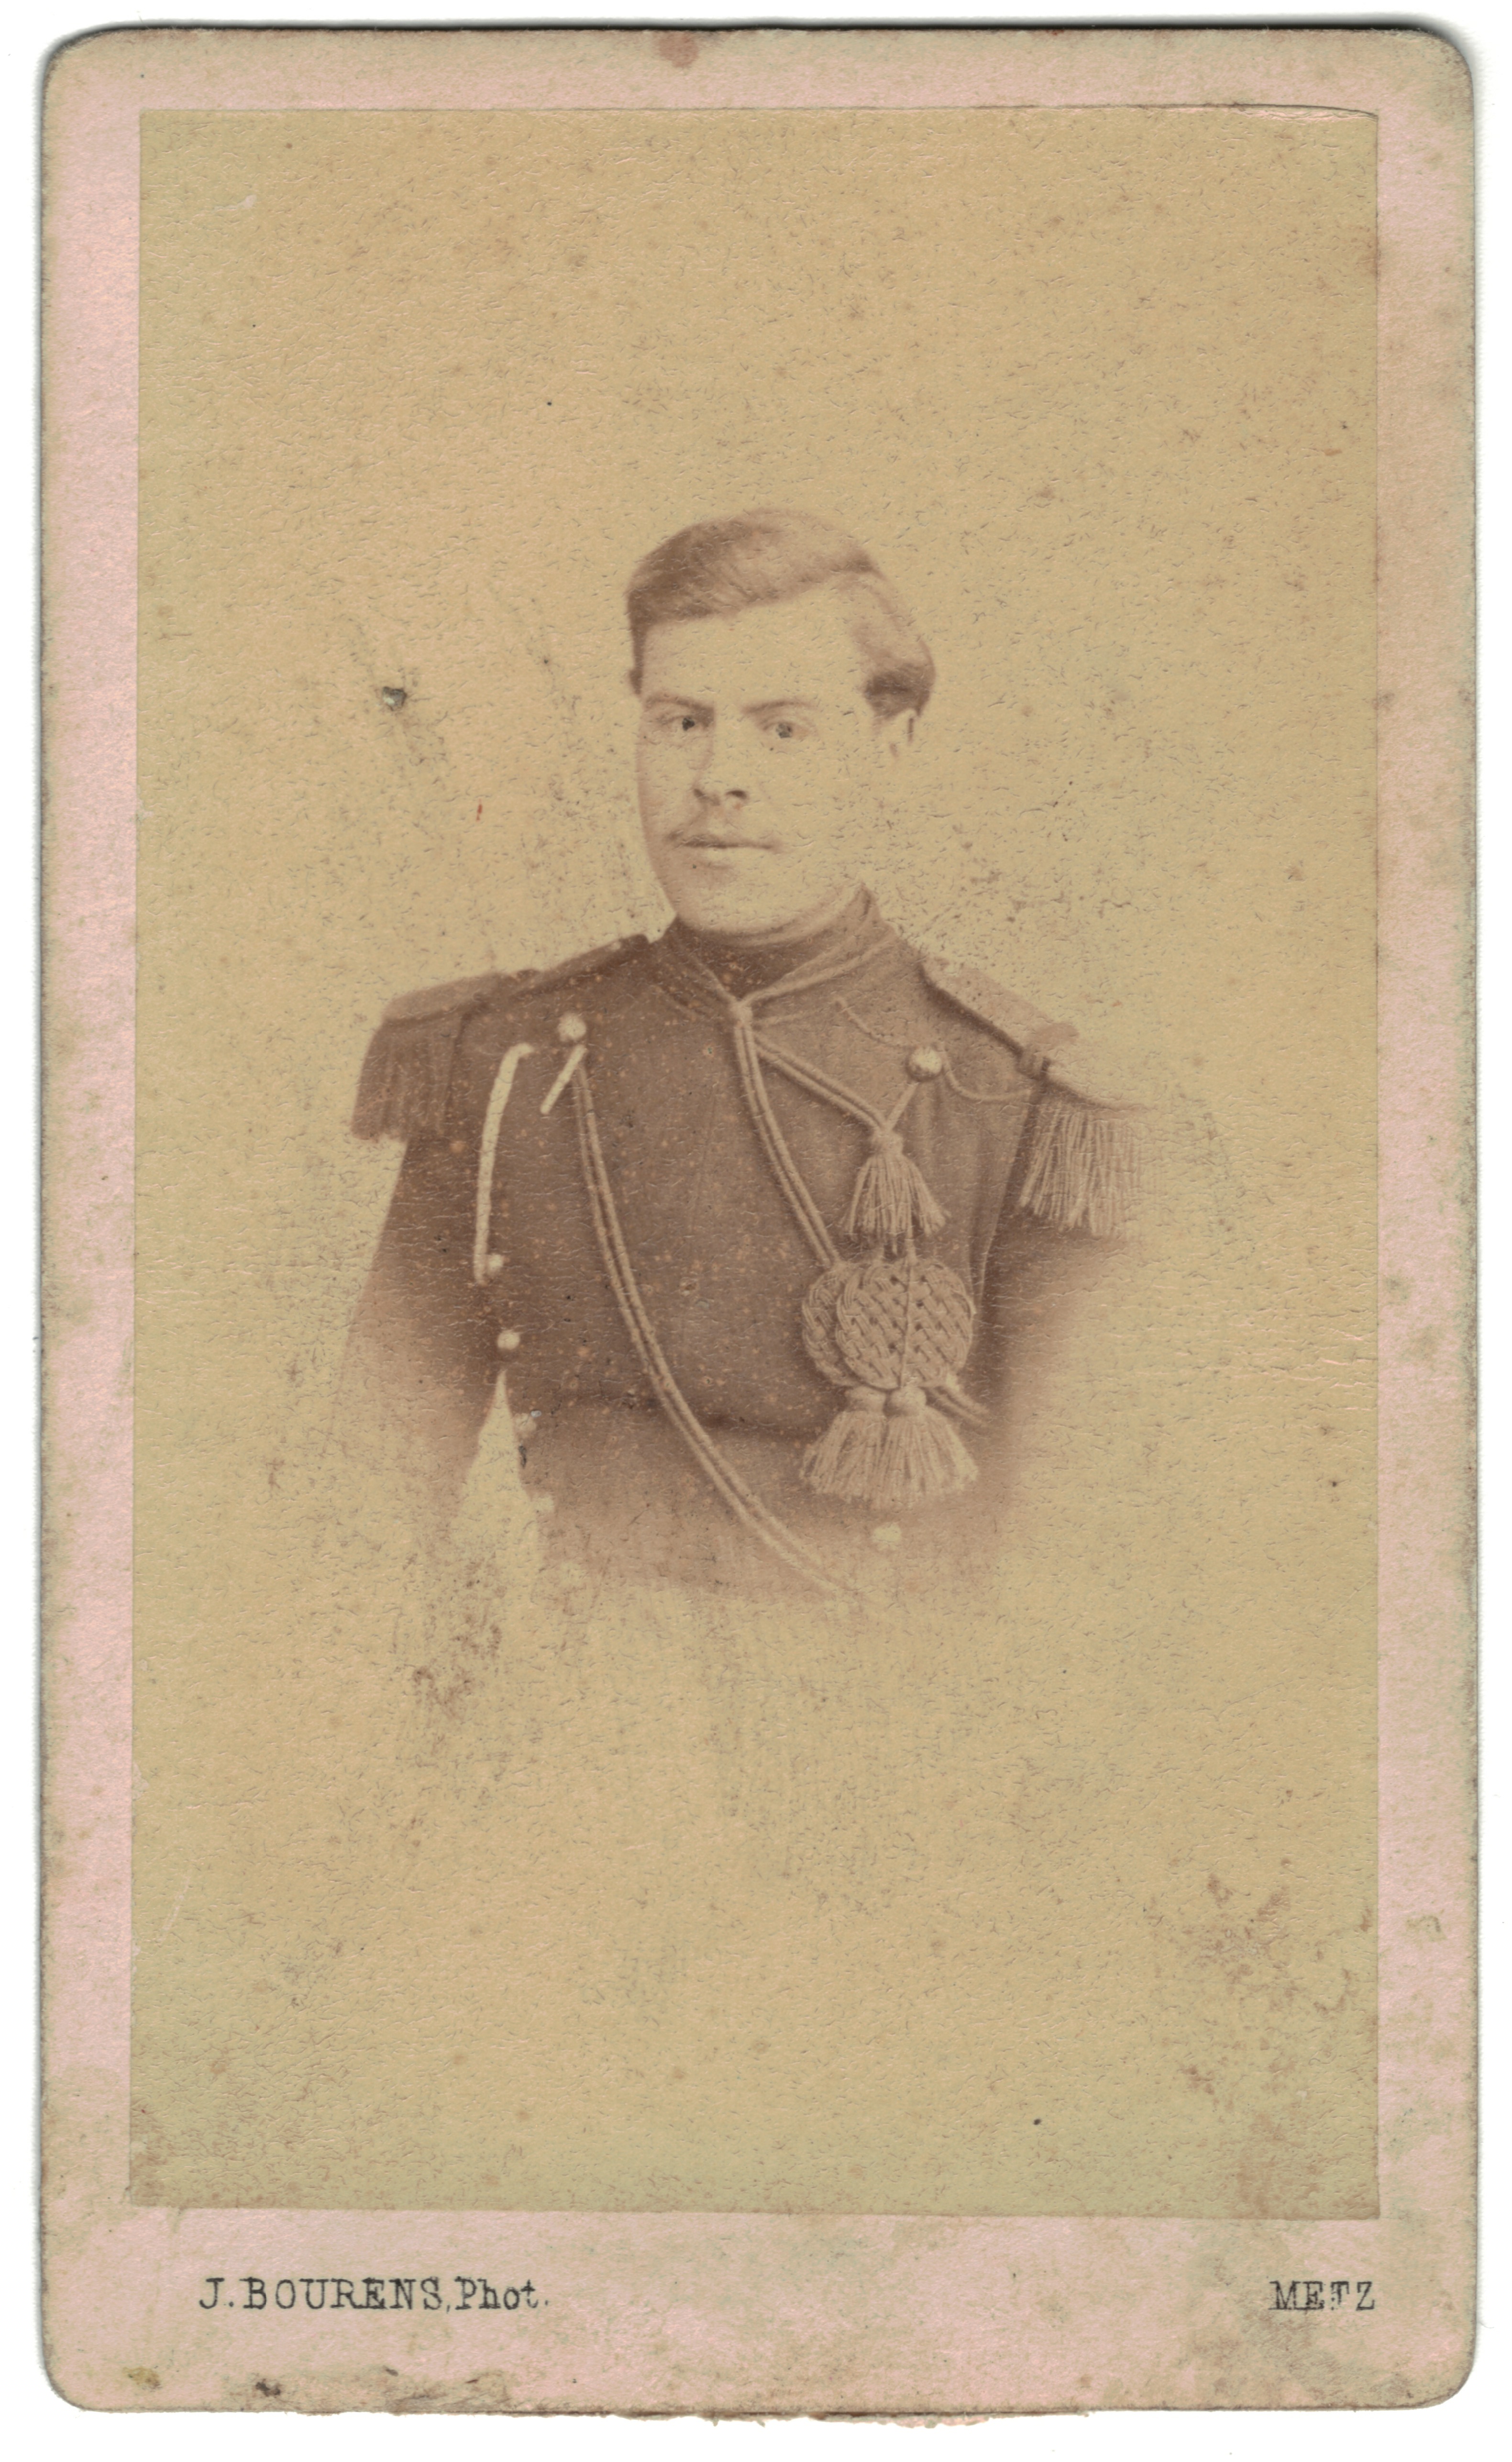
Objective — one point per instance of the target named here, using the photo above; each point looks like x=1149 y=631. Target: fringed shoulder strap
x=406 y=1076
x=1087 y=1162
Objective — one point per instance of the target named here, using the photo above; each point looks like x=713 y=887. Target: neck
x=745 y=960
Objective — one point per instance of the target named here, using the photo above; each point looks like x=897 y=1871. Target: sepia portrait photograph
x=755 y=1182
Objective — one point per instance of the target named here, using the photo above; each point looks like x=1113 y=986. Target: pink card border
x=761 y=2314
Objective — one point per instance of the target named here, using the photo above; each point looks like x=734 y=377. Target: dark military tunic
x=513 y=1276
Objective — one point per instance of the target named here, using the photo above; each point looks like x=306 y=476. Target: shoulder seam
x=592 y=962
x=442 y=1000
x=1016 y=1022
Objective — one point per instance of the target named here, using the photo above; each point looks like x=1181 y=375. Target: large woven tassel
x=888 y=1450
x=892 y=1199
x=1085 y=1166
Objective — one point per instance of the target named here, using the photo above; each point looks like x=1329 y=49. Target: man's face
x=760 y=763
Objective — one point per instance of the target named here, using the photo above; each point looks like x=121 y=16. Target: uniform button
x=887 y=1536
x=496 y=1265
x=926 y=1062
x=508 y=1339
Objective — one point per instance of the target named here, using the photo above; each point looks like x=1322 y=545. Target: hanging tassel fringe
x=888 y=1451
x=1085 y=1167
x=892 y=1199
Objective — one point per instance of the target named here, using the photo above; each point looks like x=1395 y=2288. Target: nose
x=721 y=776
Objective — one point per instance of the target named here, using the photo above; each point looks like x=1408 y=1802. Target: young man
x=762 y=1219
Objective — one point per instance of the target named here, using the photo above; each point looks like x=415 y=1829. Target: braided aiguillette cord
x=788 y=1178
x=784 y=1170
x=948 y=1397
x=746 y=1506
x=751 y=1049
x=828 y=1090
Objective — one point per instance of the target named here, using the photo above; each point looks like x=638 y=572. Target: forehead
x=801 y=649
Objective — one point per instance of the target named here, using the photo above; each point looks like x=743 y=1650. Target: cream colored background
x=1070 y=1916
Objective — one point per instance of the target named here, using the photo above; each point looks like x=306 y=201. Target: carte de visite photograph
x=740 y=842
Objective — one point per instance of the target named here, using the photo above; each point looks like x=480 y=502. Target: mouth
x=713 y=848
x=716 y=838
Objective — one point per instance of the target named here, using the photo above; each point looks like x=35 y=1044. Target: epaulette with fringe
x=1086 y=1164
x=406 y=1076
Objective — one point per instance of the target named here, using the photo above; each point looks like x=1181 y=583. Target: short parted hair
x=757 y=559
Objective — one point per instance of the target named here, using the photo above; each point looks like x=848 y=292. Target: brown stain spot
x=678 y=50
x=264 y=2385
x=147 y=2378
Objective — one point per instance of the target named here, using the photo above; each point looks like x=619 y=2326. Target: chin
x=701 y=914
x=706 y=908
x=748 y=906
x=736 y=919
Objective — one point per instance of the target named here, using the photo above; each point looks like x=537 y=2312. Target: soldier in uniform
x=756 y=1230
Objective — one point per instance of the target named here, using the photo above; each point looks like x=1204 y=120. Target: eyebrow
x=751 y=709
